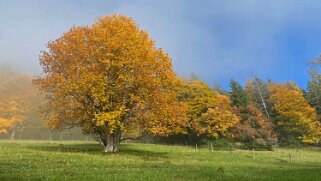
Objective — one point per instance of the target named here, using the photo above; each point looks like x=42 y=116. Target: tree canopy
x=210 y=114
x=295 y=117
x=108 y=78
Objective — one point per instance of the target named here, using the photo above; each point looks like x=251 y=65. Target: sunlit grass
x=44 y=160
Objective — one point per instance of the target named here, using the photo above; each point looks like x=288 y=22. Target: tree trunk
x=50 y=135
x=111 y=143
x=12 y=134
x=263 y=102
x=21 y=133
x=61 y=136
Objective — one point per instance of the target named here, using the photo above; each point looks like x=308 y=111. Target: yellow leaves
x=110 y=119
x=5 y=125
x=294 y=113
x=15 y=95
x=314 y=135
x=215 y=122
x=100 y=75
x=209 y=113
x=53 y=123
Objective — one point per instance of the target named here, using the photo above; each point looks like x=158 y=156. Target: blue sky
x=217 y=40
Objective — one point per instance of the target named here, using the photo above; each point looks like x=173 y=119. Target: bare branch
x=131 y=138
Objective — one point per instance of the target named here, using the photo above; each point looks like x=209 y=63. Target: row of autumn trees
x=261 y=114
x=110 y=80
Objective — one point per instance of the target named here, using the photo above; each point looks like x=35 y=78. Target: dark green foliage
x=289 y=139
x=313 y=93
x=222 y=144
x=189 y=139
x=238 y=95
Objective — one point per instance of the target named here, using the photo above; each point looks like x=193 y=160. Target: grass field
x=44 y=160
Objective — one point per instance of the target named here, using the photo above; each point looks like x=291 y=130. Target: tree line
x=111 y=81
x=259 y=115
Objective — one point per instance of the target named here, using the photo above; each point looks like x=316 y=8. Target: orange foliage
x=295 y=115
x=109 y=78
x=254 y=127
x=210 y=113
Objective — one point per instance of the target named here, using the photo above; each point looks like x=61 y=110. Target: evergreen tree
x=313 y=93
x=238 y=95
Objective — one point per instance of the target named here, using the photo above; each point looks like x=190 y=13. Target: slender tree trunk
x=50 y=135
x=21 y=132
x=116 y=142
x=12 y=134
x=61 y=136
x=263 y=102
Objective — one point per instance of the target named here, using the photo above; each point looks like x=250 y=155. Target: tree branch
x=131 y=138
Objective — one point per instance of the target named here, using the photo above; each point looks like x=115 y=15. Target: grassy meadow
x=70 y=160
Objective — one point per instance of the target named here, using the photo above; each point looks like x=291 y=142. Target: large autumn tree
x=295 y=119
x=109 y=78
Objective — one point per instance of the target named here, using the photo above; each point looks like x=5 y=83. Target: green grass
x=44 y=160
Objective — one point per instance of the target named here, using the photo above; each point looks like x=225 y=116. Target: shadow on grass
x=69 y=148
x=131 y=149
x=96 y=149
x=15 y=168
